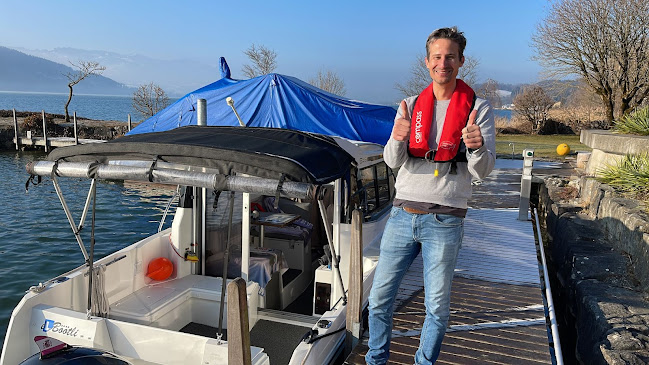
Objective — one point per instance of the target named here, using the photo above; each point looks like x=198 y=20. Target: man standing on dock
x=450 y=140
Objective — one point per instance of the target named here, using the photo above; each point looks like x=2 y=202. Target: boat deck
x=497 y=312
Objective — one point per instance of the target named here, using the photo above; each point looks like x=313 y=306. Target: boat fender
x=160 y=269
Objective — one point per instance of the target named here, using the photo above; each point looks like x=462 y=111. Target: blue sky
x=370 y=44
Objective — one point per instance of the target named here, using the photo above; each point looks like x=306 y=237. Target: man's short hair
x=447 y=33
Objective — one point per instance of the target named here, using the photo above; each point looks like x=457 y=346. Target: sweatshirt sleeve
x=395 y=153
x=481 y=161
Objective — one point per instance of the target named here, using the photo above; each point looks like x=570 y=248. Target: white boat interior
x=276 y=212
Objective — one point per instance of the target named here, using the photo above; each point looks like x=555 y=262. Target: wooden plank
x=16 y=139
x=355 y=305
x=238 y=333
x=44 y=130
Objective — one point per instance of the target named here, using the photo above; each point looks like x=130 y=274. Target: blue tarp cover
x=277 y=101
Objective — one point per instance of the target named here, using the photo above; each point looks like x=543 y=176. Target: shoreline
x=86 y=128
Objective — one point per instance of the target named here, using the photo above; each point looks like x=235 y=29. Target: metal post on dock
x=238 y=329
x=16 y=131
x=129 y=122
x=354 y=318
x=76 y=135
x=201 y=110
x=44 y=130
x=526 y=184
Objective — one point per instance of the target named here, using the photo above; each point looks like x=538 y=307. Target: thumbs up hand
x=401 y=128
x=471 y=134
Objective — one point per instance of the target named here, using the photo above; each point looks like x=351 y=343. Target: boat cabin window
x=376 y=189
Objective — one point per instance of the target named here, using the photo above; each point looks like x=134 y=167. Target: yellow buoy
x=563 y=149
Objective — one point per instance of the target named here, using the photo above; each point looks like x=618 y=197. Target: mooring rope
x=100 y=307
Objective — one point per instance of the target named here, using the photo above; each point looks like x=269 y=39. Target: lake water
x=100 y=107
x=38 y=243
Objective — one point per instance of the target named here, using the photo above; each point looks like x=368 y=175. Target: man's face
x=443 y=61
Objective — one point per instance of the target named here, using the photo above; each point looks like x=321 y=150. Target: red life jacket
x=457 y=116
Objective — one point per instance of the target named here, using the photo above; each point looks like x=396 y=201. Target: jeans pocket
x=449 y=220
x=394 y=211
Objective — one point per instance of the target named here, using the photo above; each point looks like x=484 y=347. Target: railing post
x=76 y=135
x=44 y=130
x=238 y=330
x=16 y=134
x=354 y=318
x=129 y=122
x=526 y=184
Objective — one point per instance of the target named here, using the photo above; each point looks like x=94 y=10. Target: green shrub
x=629 y=176
x=634 y=123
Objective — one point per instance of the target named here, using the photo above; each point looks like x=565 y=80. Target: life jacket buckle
x=430 y=156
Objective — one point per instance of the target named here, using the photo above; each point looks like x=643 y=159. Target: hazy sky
x=370 y=44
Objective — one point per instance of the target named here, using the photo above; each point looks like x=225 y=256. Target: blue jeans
x=439 y=237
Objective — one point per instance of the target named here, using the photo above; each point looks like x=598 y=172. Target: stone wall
x=598 y=244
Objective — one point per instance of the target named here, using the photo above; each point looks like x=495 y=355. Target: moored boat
x=271 y=206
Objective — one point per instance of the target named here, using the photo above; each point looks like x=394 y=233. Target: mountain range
x=176 y=76
x=22 y=72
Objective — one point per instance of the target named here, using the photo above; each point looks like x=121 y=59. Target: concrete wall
x=609 y=147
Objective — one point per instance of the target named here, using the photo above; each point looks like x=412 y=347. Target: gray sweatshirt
x=415 y=179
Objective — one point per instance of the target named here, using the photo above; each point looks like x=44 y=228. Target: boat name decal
x=59 y=327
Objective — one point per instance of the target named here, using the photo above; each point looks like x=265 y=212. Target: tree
x=533 y=104
x=329 y=82
x=489 y=92
x=263 y=61
x=149 y=99
x=420 y=76
x=84 y=69
x=584 y=100
x=606 y=42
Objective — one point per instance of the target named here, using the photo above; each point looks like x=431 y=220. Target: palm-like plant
x=634 y=123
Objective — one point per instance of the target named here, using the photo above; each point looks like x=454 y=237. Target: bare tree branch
x=533 y=104
x=329 y=82
x=84 y=69
x=489 y=92
x=149 y=99
x=606 y=42
x=263 y=61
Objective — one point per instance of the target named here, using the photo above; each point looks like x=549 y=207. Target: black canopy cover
x=263 y=152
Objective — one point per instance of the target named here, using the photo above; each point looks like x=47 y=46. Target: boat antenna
x=230 y=102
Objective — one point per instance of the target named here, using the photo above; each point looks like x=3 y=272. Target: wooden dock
x=29 y=139
x=53 y=141
x=497 y=311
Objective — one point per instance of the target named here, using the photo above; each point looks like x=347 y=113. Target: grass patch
x=545 y=146
x=634 y=123
x=630 y=177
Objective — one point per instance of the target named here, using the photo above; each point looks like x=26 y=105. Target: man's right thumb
x=404 y=110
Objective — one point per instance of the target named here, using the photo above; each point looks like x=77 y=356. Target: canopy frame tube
x=75 y=230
